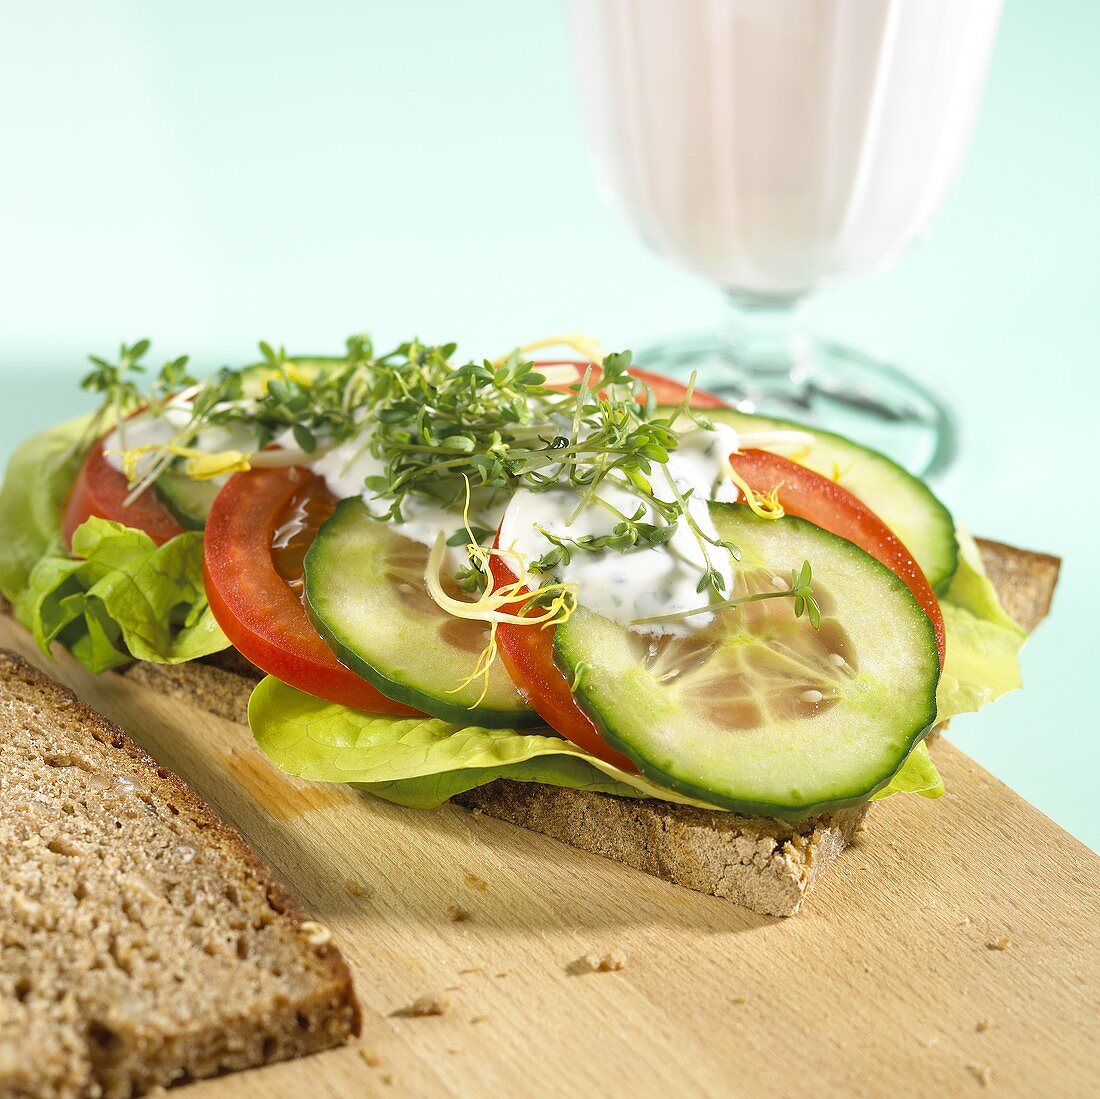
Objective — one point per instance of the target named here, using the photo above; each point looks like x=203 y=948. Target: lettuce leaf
x=421 y=762
x=983 y=642
x=121 y=597
x=917 y=775
x=36 y=484
x=118 y=597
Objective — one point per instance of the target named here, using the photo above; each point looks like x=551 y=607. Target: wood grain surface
x=955 y=948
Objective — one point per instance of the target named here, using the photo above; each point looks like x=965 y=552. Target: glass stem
x=762 y=335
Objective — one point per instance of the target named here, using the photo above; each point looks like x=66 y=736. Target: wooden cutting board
x=955 y=947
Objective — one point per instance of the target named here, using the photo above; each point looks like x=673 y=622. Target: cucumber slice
x=188 y=500
x=365 y=592
x=904 y=502
x=759 y=712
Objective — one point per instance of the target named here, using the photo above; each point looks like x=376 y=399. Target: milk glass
x=777 y=147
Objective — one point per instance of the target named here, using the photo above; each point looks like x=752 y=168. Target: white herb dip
x=646 y=580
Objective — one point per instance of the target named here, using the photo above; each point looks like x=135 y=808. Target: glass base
x=835 y=387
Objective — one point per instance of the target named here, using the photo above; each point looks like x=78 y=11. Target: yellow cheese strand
x=767 y=506
x=200 y=465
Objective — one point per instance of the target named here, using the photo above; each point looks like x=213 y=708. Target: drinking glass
x=776 y=147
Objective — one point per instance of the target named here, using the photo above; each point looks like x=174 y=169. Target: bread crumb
x=471 y=969
x=983 y=1025
x=479 y=1019
x=474 y=882
x=982 y=1073
x=356 y=888
x=587 y=963
x=595 y=963
x=740 y=999
x=505 y=973
x=454 y=1049
x=613 y=961
x=370 y=1056
x=388 y=1078
x=316 y=933
x=456 y=913
x=426 y=1005
x=1003 y=943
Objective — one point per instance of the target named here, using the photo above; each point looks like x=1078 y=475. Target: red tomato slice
x=528 y=654
x=100 y=490
x=666 y=390
x=672 y=392
x=251 y=580
x=808 y=495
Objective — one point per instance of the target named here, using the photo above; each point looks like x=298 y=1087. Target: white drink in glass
x=776 y=147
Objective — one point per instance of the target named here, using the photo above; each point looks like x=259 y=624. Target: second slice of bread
x=142 y=943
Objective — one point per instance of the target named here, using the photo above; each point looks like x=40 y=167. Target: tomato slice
x=528 y=654
x=808 y=495
x=256 y=536
x=101 y=490
x=666 y=390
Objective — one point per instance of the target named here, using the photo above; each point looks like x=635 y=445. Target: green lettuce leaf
x=118 y=597
x=983 y=642
x=121 y=597
x=917 y=775
x=36 y=484
x=421 y=762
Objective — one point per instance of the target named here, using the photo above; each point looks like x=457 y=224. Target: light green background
x=211 y=173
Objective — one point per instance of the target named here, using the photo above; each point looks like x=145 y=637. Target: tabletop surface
x=957 y=943
x=211 y=174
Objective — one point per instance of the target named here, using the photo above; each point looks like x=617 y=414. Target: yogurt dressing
x=647 y=580
x=346 y=466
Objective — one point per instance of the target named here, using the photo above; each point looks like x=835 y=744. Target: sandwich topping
x=561 y=571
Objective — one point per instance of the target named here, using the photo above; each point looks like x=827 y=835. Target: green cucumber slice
x=904 y=502
x=365 y=592
x=188 y=500
x=759 y=712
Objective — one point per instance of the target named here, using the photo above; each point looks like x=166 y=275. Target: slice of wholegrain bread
x=142 y=942
x=766 y=865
